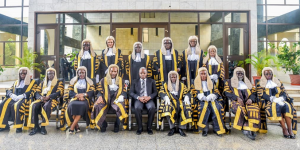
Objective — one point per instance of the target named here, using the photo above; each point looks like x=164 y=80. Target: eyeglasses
x=268 y=74
x=240 y=73
x=86 y=44
x=50 y=73
x=23 y=73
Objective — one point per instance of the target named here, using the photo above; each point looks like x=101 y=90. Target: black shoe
x=181 y=132
x=150 y=132
x=43 y=130
x=116 y=127
x=6 y=128
x=250 y=136
x=253 y=133
x=292 y=136
x=139 y=132
x=204 y=133
x=220 y=135
x=34 y=131
x=104 y=125
x=171 y=132
x=19 y=130
x=286 y=136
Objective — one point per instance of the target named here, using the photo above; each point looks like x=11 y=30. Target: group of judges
x=191 y=87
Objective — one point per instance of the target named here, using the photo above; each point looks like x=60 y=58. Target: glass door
x=47 y=48
x=236 y=49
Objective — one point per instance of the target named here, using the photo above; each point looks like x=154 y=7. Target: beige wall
x=124 y=39
x=98 y=41
x=180 y=34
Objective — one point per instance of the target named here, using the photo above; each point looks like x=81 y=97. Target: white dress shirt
x=86 y=55
x=193 y=57
x=110 y=52
x=204 y=86
x=168 y=55
x=137 y=57
x=242 y=85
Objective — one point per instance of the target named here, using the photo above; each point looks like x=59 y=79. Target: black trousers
x=138 y=106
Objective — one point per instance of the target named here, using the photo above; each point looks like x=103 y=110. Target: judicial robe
x=106 y=61
x=92 y=65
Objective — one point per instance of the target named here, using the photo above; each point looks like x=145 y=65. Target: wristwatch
x=85 y=94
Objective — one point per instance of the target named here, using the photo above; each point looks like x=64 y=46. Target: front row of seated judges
x=251 y=105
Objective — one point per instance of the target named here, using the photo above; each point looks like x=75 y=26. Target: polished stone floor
x=56 y=139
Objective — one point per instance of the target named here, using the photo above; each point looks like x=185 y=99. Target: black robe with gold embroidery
x=186 y=67
x=100 y=110
x=106 y=61
x=92 y=65
x=274 y=110
x=18 y=110
x=206 y=111
x=219 y=70
x=45 y=109
x=69 y=97
x=177 y=109
x=247 y=117
x=159 y=62
x=132 y=68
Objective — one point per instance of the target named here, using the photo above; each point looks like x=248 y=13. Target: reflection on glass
x=154 y=39
x=25 y=33
x=235 y=17
x=232 y=64
x=71 y=18
x=180 y=34
x=96 y=17
x=260 y=1
x=47 y=18
x=25 y=14
x=11 y=15
x=12 y=49
x=10 y=33
x=261 y=14
x=261 y=32
x=279 y=32
x=261 y=46
x=125 y=39
x=1 y=54
x=211 y=34
x=70 y=35
x=210 y=16
x=154 y=17
x=183 y=17
x=45 y=64
x=283 y=14
x=26 y=2
x=125 y=17
x=47 y=41
x=235 y=41
x=97 y=37
x=1 y=4
x=13 y=2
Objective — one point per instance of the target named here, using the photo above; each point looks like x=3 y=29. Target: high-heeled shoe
x=286 y=136
x=293 y=136
x=71 y=131
x=77 y=129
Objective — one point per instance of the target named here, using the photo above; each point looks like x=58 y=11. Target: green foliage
x=10 y=52
x=72 y=56
x=261 y=59
x=289 y=59
x=28 y=60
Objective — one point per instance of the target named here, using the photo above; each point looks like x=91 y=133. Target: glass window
x=279 y=32
x=71 y=18
x=12 y=49
x=211 y=34
x=154 y=35
x=183 y=17
x=261 y=46
x=235 y=41
x=10 y=33
x=154 y=17
x=1 y=54
x=47 y=41
x=96 y=17
x=25 y=14
x=70 y=38
x=235 y=17
x=261 y=32
x=97 y=34
x=275 y=1
x=180 y=34
x=210 y=17
x=261 y=14
x=13 y=2
x=125 y=17
x=283 y=14
x=47 y=18
x=1 y=4
x=25 y=33
x=26 y=2
x=292 y=1
x=10 y=15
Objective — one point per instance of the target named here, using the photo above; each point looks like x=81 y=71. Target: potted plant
x=262 y=59
x=290 y=59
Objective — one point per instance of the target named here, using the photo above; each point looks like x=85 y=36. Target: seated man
x=46 y=99
x=244 y=103
x=111 y=92
x=209 y=102
x=17 y=101
x=276 y=103
x=175 y=103
x=143 y=91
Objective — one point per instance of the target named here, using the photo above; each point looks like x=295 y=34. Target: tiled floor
x=56 y=139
